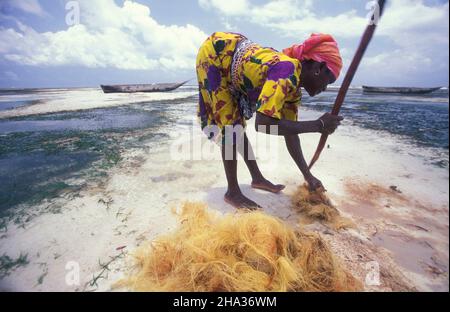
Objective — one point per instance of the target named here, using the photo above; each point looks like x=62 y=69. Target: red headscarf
x=320 y=48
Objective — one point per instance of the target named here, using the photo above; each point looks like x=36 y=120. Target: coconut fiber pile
x=240 y=252
x=316 y=206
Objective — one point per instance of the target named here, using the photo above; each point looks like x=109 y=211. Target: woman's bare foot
x=266 y=185
x=239 y=201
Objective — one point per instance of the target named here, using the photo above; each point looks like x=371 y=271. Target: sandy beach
x=396 y=197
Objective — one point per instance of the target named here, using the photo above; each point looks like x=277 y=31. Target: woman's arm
x=285 y=127
x=295 y=150
x=290 y=130
x=326 y=124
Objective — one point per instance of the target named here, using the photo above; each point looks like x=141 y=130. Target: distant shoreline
x=30 y=89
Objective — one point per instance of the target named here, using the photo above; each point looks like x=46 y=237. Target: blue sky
x=143 y=41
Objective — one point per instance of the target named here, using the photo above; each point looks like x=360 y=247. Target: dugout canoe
x=399 y=90
x=133 y=88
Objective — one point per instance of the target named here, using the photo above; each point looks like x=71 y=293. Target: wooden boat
x=401 y=90
x=133 y=88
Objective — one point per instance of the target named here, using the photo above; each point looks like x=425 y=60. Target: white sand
x=57 y=101
x=406 y=233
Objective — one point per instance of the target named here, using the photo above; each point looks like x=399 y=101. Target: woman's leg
x=234 y=194
x=258 y=180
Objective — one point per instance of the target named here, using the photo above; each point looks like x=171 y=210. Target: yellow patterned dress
x=263 y=80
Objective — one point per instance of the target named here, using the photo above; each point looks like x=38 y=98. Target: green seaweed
x=8 y=265
x=41 y=278
x=39 y=167
x=105 y=268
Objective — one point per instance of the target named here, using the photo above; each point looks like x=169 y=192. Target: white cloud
x=344 y=25
x=415 y=34
x=289 y=18
x=414 y=15
x=419 y=35
x=124 y=37
x=262 y=14
x=297 y=18
x=278 y=10
x=228 y=7
x=28 y=6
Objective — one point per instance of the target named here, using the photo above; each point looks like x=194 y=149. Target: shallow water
x=421 y=119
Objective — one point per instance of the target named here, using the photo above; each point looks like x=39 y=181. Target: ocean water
x=420 y=119
x=55 y=141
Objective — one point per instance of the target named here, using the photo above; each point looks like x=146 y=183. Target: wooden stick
x=367 y=37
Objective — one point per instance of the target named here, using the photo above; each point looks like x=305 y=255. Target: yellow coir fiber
x=240 y=252
x=316 y=206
